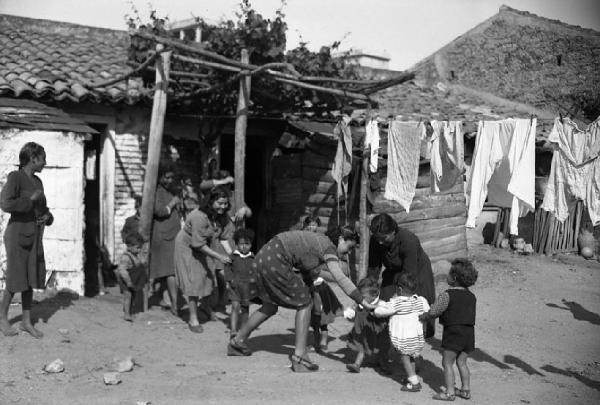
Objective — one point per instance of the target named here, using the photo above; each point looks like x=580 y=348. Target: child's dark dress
x=241 y=276
x=139 y=277
x=368 y=332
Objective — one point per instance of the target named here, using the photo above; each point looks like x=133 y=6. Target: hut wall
x=63 y=187
x=438 y=219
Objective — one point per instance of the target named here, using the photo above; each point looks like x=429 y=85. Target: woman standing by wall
x=23 y=197
x=165 y=226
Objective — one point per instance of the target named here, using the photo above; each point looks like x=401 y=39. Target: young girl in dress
x=368 y=336
x=456 y=309
x=406 y=331
x=240 y=279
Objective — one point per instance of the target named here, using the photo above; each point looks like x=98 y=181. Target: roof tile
x=41 y=58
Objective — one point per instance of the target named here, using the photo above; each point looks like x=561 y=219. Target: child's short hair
x=406 y=281
x=368 y=285
x=463 y=272
x=134 y=239
x=311 y=218
x=243 y=233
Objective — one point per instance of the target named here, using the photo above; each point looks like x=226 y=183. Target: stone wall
x=525 y=58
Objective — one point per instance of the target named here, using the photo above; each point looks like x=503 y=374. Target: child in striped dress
x=406 y=331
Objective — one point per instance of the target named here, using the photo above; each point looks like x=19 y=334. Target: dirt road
x=537 y=334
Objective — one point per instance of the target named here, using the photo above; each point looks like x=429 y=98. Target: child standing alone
x=406 y=331
x=456 y=309
x=131 y=273
x=240 y=278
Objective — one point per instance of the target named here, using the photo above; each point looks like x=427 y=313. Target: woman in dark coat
x=23 y=197
x=399 y=251
x=165 y=227
x=286 y=267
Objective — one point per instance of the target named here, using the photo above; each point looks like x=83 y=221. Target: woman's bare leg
x=5 y=327
x=26 y=324
x=193 y=307
x=172 y=289
x=266 y=311
x=302 y=324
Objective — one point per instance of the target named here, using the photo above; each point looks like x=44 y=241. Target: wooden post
x=159 y=107
x=365 y=236
x=241 y=123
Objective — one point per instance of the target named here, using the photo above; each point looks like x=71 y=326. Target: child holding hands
x=368 y=336
x=240 y=278
x=456 y=309
x=131 y=273
x=406 y=331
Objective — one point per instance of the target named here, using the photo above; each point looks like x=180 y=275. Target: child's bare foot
x=6 y=329
x=29 y=328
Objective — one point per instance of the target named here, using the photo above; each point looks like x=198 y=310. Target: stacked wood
x=551 y=236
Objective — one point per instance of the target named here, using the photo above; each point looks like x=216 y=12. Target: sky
x=404 y=30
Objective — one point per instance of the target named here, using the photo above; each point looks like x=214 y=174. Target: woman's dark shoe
x=353 y=368
x=237 y=348
x=302 y=364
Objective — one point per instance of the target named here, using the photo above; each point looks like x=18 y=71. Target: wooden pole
x=365 y=236
x=241 y=123
x=159 y=108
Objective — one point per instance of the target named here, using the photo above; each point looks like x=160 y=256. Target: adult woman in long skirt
x=286 y=267
x=23 y=197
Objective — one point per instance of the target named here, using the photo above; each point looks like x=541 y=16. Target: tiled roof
x=31 y=115
x=50 y=60
x=526 y=58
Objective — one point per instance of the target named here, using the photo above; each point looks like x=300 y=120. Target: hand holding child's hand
x=367 y=305
x=225 y=259
x=349 y=314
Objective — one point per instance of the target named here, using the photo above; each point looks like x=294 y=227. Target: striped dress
x=406 y=331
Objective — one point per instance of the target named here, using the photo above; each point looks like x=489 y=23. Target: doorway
x=256 y=190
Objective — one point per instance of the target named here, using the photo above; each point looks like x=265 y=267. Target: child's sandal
x=236 y=348
x=442 y=396
x=302 y=364
x=409 y=387
x=353 y=368
x=464 y=394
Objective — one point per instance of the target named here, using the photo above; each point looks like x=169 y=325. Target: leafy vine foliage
x=265 y=40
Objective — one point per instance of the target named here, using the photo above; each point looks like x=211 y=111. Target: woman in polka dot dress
x=286 y=267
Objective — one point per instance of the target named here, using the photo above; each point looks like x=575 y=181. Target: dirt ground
x=538 y=324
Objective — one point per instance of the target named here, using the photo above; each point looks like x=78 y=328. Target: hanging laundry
x=372 y=140
x=575 y=170
x=404 y=142
x=503 y=169
x=342 y=164
x=447 y=154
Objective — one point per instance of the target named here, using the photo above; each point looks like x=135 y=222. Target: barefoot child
x=240 y=279
x=131 y=273
x=368 y=333
x=406 y=331
x=456 y=309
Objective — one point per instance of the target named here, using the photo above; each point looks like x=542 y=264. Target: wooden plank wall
x=438 y=219
x=302 y=184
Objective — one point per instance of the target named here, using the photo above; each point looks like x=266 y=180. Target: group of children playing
x=397 y=322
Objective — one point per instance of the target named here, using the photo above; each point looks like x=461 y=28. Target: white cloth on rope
x=404 y=143
x=575 y=170
x=446 y=148
x=372 y=140
x=503 y=169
